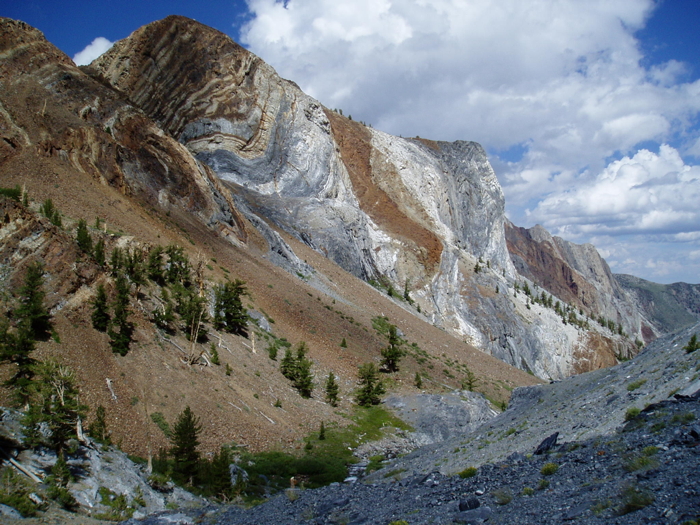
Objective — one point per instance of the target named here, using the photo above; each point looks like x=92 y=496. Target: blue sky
x=589 y=110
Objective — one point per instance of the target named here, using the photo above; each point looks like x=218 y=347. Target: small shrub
x=528 y=491
x=159 y=419
x=14 y=492
x=543 y=484
x=632 y=413
x=692 y=345
x=398 y=522
x=502 y=496
x=634 y=385
x=549 y=468
x=687 y=417
x=633 y=498
x=468 y=472
x=375 y=463
x=637 y=462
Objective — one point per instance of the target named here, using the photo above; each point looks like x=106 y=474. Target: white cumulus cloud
x=560 y=81
x=93 y=50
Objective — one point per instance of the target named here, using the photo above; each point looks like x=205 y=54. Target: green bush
x=632 y=413
x=528 y=491
x=634 y=385
x=14 y=492
x=468 y=472
x=502 y=496
x=549 y=468
x=633 y=498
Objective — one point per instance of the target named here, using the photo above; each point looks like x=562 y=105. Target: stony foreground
x=645 y=473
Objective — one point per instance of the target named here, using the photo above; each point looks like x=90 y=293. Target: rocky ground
x=644 y=473
x=623 y=446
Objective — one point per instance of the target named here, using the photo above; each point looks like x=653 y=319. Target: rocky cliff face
x=418 y=215
x=666 y=307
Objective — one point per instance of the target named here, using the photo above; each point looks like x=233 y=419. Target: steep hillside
x=71 y=139
x=420 y=216
x=668 y=307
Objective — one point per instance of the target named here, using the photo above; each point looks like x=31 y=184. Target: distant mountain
x=668 y=307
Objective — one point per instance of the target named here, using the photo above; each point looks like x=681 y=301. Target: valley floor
x=644 y=473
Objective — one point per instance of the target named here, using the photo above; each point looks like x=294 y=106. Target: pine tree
x=470 y=381
x=214 y=355
x=154 y=266
x=48 y=210
x=392 y=354
x=54 y=401
x=164 y=316
x=121 y=338
x=229 y=313
x=31 y=310
x=692 y=345
x=185 y=440
x=218 y=474
x=178 y=266
x=99 y=252
x=193 y=313
x=370 y=385
x=100 y=315
x=83 y=237
x=322 y=432
x=332 y=390
x=288 y=364
x=16 y=347
x=98 y=428
x=418 y=380
x=116 y=260
x=303 y=380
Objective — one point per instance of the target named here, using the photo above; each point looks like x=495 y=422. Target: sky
x=589 y=110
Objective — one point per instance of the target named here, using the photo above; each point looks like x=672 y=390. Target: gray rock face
x=398 y=210
x=439 y=417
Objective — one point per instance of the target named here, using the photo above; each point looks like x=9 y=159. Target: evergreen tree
x=303 y=380
x=332 y=390
x=322 y=432
x=99 y=252
x=100 y=315
x=214 y=355
x=692 y=345
x=418 y=380
x=83 y=237
x=31 y=311
x=134 y=267
x=370 y=385
x=470 y=381
x=116 y=260
x=193 y=313
x=272 y=350
x=54 y=401
x=392 y=354
x=178 y=266
x=185 y=440
x=48 y=210
x=154 y=266
x=288 y=364
x=164 y=316
x=121 y=338
x=98 y=428
x=16 y=347
x=218 y=474
x=229 y=313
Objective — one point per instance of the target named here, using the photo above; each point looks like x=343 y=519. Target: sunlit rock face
x=422 y=217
